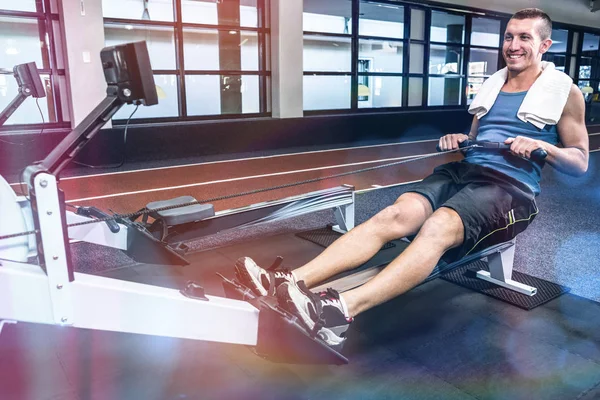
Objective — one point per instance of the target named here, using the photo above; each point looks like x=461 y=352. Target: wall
x=83 y=29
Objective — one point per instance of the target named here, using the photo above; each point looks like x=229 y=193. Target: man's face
x=523 y=47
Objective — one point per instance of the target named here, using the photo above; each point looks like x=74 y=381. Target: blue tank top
x=501 y=123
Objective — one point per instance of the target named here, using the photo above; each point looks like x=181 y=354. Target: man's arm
x=452 y=140
x=572 y=157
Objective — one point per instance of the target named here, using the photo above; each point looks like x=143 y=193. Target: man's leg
x=441 y=232
x=405 y=217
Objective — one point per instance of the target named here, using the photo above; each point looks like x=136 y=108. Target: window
x=380 y=41
x=447 y=33
x=211 y=62
x=327 y=54
x=24 y=38
x=558 y=53
x=588 y=75
x=484 y=53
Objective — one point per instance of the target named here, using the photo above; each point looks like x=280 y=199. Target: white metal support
x=120 y=306
x=52 y=242
x=344 y=216
x=501 y=269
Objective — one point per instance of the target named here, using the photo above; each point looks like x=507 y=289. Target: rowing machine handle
x=536 y=155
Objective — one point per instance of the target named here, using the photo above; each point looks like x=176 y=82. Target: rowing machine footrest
x=281 y=338
x=180 y=215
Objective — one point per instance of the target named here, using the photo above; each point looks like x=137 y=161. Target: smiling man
x=462 y=207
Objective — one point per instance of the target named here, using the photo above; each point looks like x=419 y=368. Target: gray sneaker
x=321 y=313
x=261 y=281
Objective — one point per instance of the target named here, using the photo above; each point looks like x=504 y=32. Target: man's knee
x=444 y=228
x=408 y=212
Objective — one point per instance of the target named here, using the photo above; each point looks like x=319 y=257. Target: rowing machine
x=51 y=292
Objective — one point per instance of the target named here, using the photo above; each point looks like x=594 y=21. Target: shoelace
x=282 y=273
x=331 y=297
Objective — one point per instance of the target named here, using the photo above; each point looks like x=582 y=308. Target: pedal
x=281 y=338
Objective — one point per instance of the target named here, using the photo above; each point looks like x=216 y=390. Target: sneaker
x=322 y=314
x=261 y=281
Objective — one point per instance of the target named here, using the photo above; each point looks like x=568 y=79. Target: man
x=485 y=199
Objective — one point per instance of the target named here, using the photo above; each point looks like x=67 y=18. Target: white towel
x=543 y=103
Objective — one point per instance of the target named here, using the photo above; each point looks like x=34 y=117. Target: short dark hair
x=545 y=28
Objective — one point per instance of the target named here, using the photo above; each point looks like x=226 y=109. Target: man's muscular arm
x=572 y=158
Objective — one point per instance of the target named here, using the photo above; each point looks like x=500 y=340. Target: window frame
x=46 y=19
x=264 y=71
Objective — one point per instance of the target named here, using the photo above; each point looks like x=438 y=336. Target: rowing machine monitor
x=128 y=73
x=29 y=80
x=30 y=84
x=129 y=78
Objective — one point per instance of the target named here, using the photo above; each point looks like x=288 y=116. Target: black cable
x=124 y=158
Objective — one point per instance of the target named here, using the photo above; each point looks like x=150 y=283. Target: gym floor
x=439 y=341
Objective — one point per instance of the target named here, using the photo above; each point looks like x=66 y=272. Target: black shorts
x=493 y=207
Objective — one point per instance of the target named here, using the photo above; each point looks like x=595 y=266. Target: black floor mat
x=546 y=291
x=325 y=237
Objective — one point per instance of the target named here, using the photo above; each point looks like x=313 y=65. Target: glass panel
x=559 y=60
x=447 y=28
x=238 y=50
x=415 y=91
x=209 y=12
x=486 y=32
x=326 y=92
x=416 y=58
x=590 y=44
x=331 y=16
x=585 y=68
x=20 y=5
x=54 y=6
x=587 y=88
x=166 y=87
x=323 y=53
x=445 y=59
x=205 y=94
x=161 y=10
x=380 y=55
x=444 y=91
x=379 y=91
x=417 y=24
x=560 y=39
x=19 y=42
x=483 y=62
x=384 y=20
x=473 y=86
x=28 y=112
x=160 y=41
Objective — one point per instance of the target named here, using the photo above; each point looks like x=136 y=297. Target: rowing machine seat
x=180 y=215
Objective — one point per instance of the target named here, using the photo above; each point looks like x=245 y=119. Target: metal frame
x=501 y=269
x=51 y=293
x=57 y=295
